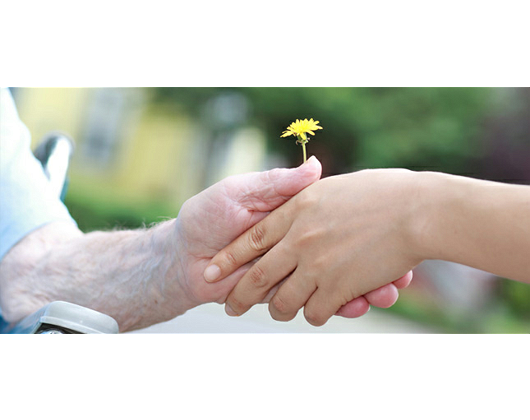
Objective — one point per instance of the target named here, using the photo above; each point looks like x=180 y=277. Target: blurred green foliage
x=416 y=128
x=95 y=213
x=518 y=296
x=91 y=217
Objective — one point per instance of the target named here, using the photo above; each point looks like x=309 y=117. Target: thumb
x=264 y=191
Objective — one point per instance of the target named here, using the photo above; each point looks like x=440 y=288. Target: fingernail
x=212 y=273
x=229 y=310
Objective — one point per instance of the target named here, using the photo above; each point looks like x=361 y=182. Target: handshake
x=287 y=238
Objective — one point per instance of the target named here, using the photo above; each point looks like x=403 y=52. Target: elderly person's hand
x=145 y=276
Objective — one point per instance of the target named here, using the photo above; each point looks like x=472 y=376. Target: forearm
x=129 y=275
x=478 y=223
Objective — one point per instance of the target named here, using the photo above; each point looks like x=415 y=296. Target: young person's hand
x=344 y=236
x=339 y=239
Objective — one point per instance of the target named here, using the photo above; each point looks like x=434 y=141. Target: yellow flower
x=301 y=127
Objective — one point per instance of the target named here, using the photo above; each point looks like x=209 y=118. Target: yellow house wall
x=161 y=156
x=49 y=109
x=154 y=164
x=152 y=160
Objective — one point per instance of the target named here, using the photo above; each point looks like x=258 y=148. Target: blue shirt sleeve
x=26 y=200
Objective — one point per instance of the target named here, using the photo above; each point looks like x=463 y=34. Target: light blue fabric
x=26 y=201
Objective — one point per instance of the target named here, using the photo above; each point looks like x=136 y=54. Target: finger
x=404 y=281
x=321 y=306
x=383 y=297
x=265 y=191
x=251 y=244
x=290 y=297
x=272 y=268
x=354 y=308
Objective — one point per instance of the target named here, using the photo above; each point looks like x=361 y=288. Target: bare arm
x=130 y=275
x=478 y=223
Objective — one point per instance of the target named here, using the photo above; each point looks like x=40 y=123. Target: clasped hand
x=334 y=248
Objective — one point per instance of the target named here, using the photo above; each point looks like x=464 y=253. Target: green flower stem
x=302 y=142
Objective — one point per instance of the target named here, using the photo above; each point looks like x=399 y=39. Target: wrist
x=172 y=279
x=428 y=198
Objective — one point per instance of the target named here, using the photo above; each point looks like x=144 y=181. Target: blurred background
x=141 y=152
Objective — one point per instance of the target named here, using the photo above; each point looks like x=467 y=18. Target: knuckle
x=309 y=237
x=230 y=259
x=306 y=200
x=279 y=310
x=237 y=305
x=257 y=277
x=257 y=239
x=320 y=264
x=314 y=318
x=279 y=305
